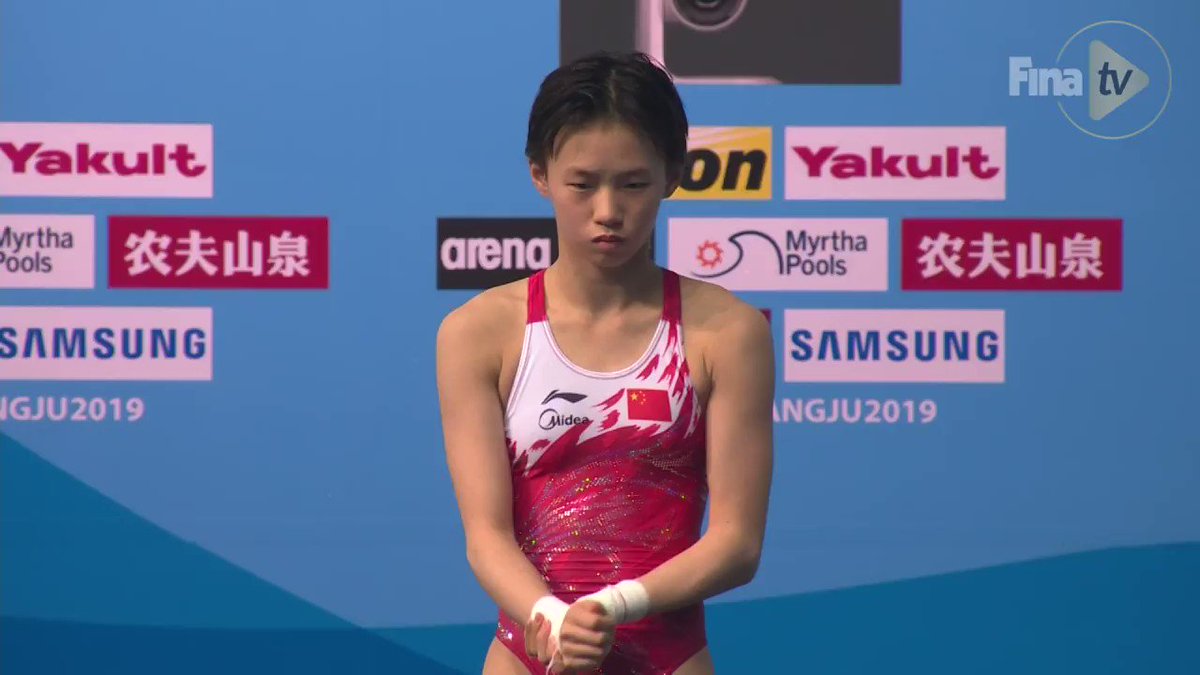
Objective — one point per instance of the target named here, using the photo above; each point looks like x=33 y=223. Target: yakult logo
x=900 y=163
x=105 y=160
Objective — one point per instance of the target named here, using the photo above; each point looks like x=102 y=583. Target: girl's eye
x=637 y=186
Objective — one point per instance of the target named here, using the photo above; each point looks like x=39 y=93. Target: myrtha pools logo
x=1123 y=91
x=782 y=254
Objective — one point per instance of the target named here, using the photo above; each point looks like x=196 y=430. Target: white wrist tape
x=626 y=602
x=554 y=610
x=637 y=601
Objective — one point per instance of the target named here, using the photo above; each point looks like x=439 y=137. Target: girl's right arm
x=468 y=370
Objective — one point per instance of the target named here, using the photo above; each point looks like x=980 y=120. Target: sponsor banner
x=782 y=254
x=105 y=160
x=895 y=345
x=218 y=252
x=895 y=163
x=727 y=163
x=996 y=254
x=47 y=251
x=106 y=343
x=479 y=253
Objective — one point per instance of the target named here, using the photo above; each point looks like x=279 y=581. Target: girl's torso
x=607 y=467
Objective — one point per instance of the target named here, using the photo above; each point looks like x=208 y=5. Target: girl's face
x=605 y=185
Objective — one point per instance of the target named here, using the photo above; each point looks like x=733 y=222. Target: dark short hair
x=628 y=87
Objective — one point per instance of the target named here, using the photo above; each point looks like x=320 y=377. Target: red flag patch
x=648 y=404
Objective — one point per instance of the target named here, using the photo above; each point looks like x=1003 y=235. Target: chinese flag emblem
x=648 y=404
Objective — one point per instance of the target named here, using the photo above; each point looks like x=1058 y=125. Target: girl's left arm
x=741 y=361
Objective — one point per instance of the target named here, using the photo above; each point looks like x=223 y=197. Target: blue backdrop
x=295 y=512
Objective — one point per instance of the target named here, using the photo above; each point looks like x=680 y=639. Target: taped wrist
x=554 y=610
x=626 y=602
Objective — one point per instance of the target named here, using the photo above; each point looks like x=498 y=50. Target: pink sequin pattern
x=614 y=496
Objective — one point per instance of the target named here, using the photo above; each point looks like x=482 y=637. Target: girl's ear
x=537 y=173
x=674 y=178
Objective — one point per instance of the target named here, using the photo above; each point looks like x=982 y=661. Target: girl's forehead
x=605 y=144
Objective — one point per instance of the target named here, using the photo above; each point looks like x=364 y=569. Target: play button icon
x=1113 y=80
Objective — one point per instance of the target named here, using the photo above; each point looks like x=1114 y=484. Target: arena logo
x=47 y=251
x=727 y=163
x=479 y=253
x=105 y=160
x=106 y=343
x=551 y=418
x=1118 y=99
x=781 y=254
x=895 y=163
x=894 y=345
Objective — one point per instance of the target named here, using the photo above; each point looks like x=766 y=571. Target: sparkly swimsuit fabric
x=608 y=479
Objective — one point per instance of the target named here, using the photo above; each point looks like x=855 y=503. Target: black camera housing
x=744 y=41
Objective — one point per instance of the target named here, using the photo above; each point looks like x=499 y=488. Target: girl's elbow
x=750 y=567
x=748 y=557
x=480 y=548
x=474 y=557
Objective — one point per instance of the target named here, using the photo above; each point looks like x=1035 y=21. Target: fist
x=538 y=642
x=585 y=638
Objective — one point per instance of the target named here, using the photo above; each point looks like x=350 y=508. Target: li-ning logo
x=567 y=396
x=1113 y=80
x=551 y=418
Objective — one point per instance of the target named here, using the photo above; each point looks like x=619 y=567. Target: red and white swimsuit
x=608 y=478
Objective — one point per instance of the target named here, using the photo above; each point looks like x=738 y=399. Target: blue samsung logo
x=103 y=343
x=894 y=345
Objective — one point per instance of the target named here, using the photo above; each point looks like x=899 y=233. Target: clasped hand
x=584 y=640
